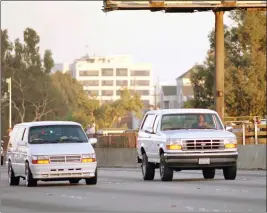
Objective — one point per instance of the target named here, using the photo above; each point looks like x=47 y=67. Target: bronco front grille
x=65 y=159
x=203 y=144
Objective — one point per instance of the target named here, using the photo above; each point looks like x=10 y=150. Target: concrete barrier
x=250 y=157
x=116 y=157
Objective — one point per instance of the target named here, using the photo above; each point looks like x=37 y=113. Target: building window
x=93 y=92
x=140 y=73
x=106 y=101
x=107 y=92
x=146 y=103
x=142 y=92
x=121 y=72
x=90 y=83
x=107 y=72
x=121 y=83
x=89 y=73
x=139 y=82
x=118 y=92
x=107 y=83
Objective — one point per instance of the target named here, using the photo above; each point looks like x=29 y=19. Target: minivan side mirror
x=92 y=140
x=229 y=128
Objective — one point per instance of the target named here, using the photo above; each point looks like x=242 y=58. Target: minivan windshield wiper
x=70 y=140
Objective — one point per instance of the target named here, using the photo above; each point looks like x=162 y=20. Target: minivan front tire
x=92 y=181
x=29 y=180
x=12 y=180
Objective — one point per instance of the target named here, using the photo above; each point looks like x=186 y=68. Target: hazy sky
x=172 y=43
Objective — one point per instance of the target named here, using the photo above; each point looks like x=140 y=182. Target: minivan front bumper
x=63 y=171
x=192 y=160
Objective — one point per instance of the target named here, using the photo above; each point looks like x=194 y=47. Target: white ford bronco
x=186 y=139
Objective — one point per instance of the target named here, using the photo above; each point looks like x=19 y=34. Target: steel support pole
x=219 y=64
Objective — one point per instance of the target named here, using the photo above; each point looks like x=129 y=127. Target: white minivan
x=51 y=151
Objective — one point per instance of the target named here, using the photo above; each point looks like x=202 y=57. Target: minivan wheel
x=12 y=180
x=208 y=173
x=93 y=180
x=148 y=169
x=229 y=173
x=29 y=181
x=166 y=173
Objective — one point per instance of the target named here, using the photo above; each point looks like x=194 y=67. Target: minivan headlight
x=88 y=158
x=40 y=159
x=174 y=144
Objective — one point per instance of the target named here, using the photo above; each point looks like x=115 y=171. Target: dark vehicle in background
x=2 y=153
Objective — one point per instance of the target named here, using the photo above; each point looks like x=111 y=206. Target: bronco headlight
x=230 y=143
x=174 y=144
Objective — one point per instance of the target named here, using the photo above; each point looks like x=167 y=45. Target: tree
x=245 y=67
x=77 y=106
x=108 y=114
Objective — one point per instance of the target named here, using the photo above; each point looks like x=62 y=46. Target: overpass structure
x=186 y=6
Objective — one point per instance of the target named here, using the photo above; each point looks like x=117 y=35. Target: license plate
x=203 y=161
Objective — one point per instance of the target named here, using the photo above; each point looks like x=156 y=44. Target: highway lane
x=124 y=191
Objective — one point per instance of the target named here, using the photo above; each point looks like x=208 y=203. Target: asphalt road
x=124 y=191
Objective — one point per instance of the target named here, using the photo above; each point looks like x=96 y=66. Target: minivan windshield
x=57 y=134
x=190 y=121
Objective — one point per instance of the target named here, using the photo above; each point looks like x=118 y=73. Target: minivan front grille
x=65 y=159
x=203 y=144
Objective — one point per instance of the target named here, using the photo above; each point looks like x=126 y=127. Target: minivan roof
x=45 y=123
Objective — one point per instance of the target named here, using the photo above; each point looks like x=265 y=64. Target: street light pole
x=8 y=81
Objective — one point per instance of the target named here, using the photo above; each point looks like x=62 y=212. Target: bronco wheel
x=148 y=169
x=29 y=181
x=229 y=173
x=166 y=173
x=12 y=180
x=208 y=173
x=93 y=180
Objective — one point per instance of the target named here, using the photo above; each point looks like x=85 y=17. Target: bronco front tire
x=148 y=169
x=166 y=173
x=230 y=172
x=208 y=173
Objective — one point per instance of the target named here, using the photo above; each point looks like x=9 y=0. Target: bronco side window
x=148 y=122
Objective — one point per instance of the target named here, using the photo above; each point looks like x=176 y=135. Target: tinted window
x=188 y=121
x=57 y=134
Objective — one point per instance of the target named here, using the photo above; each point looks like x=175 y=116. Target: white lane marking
x=203 y=209
x=190 y=208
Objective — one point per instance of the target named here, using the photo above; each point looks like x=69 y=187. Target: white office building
x=104 y=77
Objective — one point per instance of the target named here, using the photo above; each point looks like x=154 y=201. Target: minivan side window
x=149 y=121
x=12 y=140
x=19 y=134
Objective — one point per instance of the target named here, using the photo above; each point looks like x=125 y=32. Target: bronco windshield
x=57 y=134
x=190 y=121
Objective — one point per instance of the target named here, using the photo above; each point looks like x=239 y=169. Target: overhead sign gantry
x=178 y=6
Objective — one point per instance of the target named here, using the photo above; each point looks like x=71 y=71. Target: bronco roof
x=45 y=123
x=175 y=111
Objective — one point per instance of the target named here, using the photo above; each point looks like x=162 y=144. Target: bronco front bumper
x=191 y=160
